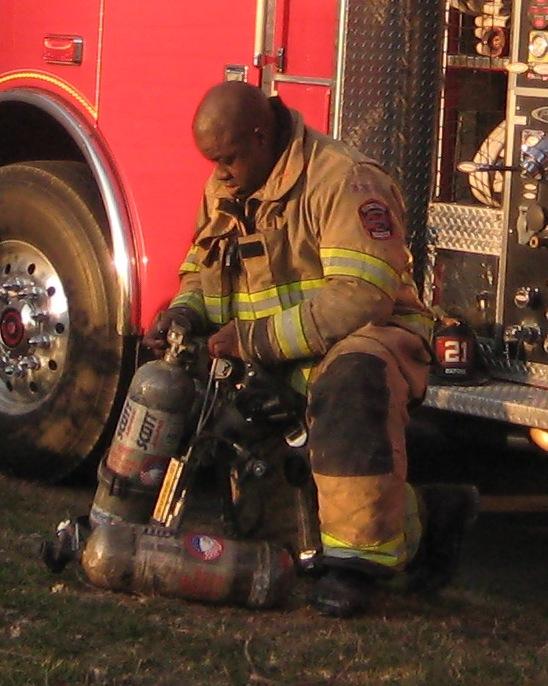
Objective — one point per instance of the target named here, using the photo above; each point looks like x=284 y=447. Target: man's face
x=242 y=165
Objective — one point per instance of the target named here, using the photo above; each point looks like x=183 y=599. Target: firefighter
x=299 y=262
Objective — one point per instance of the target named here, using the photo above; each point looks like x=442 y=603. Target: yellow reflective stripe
x=190 y=263
x=412 y=523
x=192 y=299
x=302 y=287
x=259 y=304
x=189 y=267
x=48 y=78
x=344 y=262
x=256 y=305
x=298 y=379
x=218 y=308
x=392 y=553
x=288 y=328
x=420 y=324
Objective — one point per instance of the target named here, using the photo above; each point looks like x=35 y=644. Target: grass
x=490 y=627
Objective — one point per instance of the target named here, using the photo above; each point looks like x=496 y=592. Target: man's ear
x=260 y=136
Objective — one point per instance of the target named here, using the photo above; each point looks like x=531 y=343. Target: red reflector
x=63 y=49
x=540 y=438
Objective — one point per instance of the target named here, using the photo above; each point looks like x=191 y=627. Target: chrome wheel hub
x=34 y=327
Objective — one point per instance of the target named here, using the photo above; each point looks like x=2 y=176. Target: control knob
x=530 y=334
x=526 y=297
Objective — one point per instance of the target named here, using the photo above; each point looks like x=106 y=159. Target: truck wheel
x=60 y=353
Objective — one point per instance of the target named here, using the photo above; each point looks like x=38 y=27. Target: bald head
x=232 y=108
x=235 y=128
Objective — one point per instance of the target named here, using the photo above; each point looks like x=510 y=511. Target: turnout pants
x=357 y=413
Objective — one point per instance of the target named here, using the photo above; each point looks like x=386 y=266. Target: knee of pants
x=348 y=415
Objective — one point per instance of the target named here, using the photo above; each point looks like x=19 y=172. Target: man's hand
x=224 y=343
x=156 y=337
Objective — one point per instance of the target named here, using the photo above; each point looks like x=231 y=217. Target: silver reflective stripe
x=249 y=306
x=344 y=262
x=289 y=332
x=218 y=308
x=265 y=303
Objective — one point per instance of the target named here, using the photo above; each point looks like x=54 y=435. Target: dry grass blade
x=487 y=629
x=255 y=677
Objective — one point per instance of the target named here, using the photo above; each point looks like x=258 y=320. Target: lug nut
x=32 y=292
x=29 y=363
x=40 y=341
x=12 y=288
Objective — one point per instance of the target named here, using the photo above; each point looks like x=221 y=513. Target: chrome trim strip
x=508 y=231
x=307 y=80
x=260 y=29
x=99 y=66
x=532 y=92
x=123 y=249
x=336 y=117
x=268 y=70
x=442 y=104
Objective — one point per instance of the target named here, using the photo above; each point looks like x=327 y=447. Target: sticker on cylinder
x=204 y=547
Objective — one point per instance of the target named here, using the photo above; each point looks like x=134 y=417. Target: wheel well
x=29 y=133
x=37 y=127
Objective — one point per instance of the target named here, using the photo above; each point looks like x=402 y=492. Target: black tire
x=51 y=232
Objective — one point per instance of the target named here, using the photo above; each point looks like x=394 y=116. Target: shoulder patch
x=376 y=220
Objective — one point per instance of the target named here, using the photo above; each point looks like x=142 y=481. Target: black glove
x=156 y=337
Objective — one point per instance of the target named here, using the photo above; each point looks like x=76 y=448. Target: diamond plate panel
x=389 y=90
x=466 y=227
x=505 y=402
x=500 y=367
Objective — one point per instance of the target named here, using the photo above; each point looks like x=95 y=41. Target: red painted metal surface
x=156 y=65
x=141 y=77
x=140 y=80
x=23 y=26
x=313 y=102
x=307 y=31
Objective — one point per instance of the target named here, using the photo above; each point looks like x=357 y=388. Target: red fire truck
x=100 y=180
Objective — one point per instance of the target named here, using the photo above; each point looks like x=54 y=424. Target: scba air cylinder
x=191 y=565
x=155 y=416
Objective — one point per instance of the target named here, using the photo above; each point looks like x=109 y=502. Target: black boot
x=450 y=510
x=348 y=585
x=341 y=593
